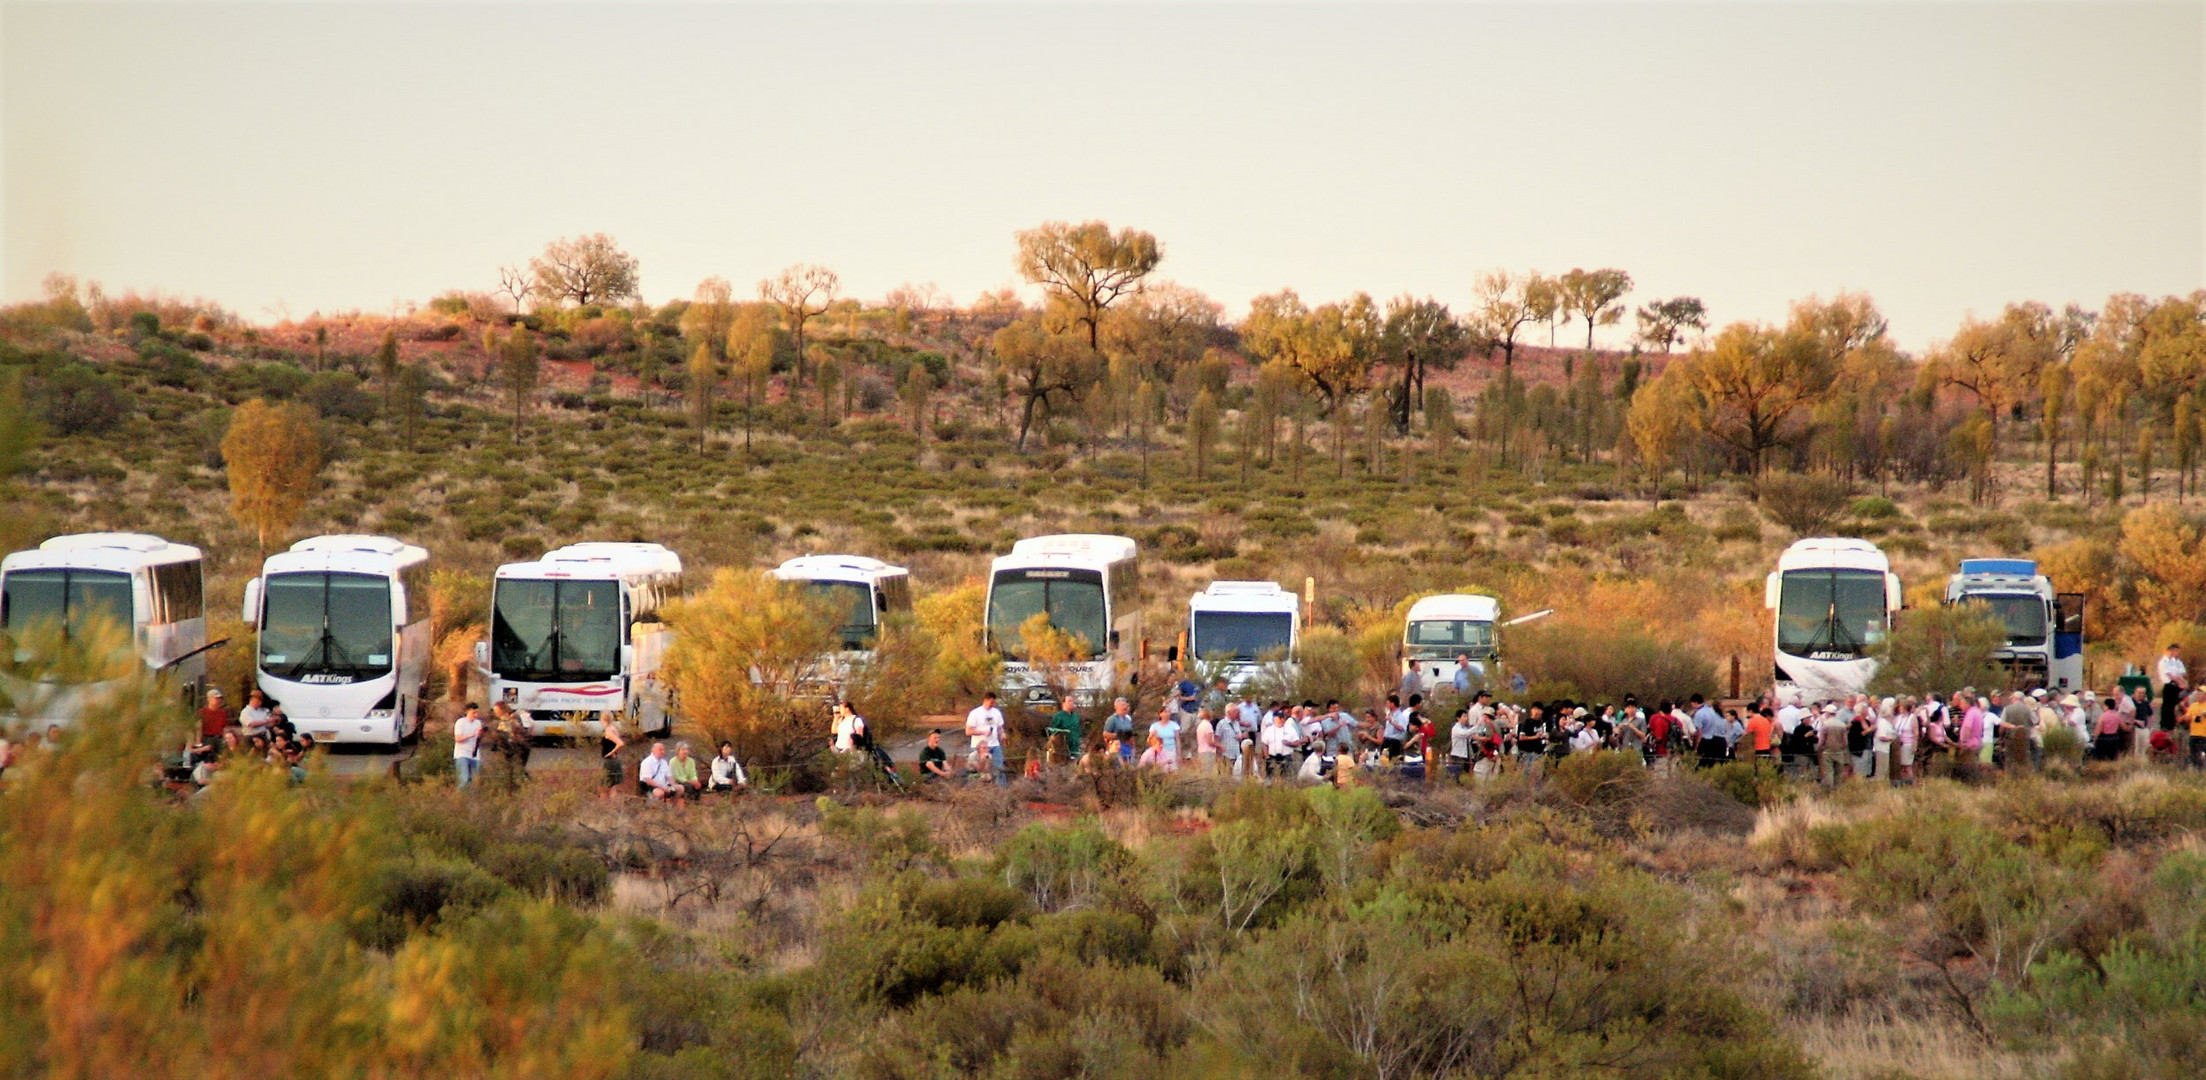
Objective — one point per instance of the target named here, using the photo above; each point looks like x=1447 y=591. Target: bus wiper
x=1833 y=636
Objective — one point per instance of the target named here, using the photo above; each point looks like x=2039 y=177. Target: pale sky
x=287 y=159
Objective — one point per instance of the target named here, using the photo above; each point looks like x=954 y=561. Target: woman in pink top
x=1206 y=744
x=1972 y=729
x=2113 y=734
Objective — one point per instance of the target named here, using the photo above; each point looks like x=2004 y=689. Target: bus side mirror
x=1114 y=641
x=1894 y=599
x=1769 y=592
x=250 y=610
x=482 y=655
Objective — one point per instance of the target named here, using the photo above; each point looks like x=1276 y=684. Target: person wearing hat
x=2017 y=724
x=1832 y=733
x=214 y=719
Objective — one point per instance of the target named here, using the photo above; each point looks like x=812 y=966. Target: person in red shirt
x=1659 y=731
x=214 y=719
x=1758 y=725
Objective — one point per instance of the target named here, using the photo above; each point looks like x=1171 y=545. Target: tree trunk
x=1026 y=421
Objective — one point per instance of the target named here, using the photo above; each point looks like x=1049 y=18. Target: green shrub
x=1749 y=783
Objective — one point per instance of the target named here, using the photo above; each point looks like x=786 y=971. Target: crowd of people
x=1855 y=736
x=258 y=732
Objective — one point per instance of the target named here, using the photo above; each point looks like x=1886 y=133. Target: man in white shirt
x=1789 y=717
x=984 y=729
x=2175 y=681
x=656 y=775
x=1278 y=746
x=467 y=744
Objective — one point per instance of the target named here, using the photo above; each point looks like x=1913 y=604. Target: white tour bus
x=1241 y=629
x=148 y=586
x=344 y=636
x=1441 y=629
x=578 y=636
x=1834 y=600
x=861 y=590
x=1090 y=587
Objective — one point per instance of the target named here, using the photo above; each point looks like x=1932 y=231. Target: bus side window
x=177 y=593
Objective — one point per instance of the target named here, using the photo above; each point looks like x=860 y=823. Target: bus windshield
x=555 y=631
x=1446 y=639
x=1830 y=614
x=1240 y=635
x=325 y=627
x=1073 y=600
x=72 y=598
x=2024 y=616
x=850 y=604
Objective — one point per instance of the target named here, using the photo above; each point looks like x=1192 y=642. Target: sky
x=287 y=159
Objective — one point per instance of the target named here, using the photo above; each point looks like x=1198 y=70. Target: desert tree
x=273 y=455
x=518 y=373
x=386 y=368
x=518 y=283
x=1331 y=348
x=827 y=378
x=1042 y=368
x=1087 y=267
x=751 y=354
x=802 y=293
x=1503 y=311
x=1161 y=329
x=1593 y=295
x=1418 y=334
x=1202 y=432
x=585 y=270
x=1543 y=296
x=710 y=313
x=413 y=401
x=1663 y=322
x=1754 y=384
x=704 y=376
x=917 y=392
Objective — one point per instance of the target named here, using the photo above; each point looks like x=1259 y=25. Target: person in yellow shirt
x=2194 y=713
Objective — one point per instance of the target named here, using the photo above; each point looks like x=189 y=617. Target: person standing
x=984 y=729
x=467 y=740
x=1121 y=724
x=1063 y=732
x=1230 y=735
x=2016 y=721
x=1165 y=735
x=1881 y=737
x=2175 y=682
x=1758 y=734
x=610 y=742
x=1832 y=736
x=1206 y=744
x=214 y=719
x=515 y=731
x=1710 y=729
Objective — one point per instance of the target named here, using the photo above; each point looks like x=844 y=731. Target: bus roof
x=1092 y=551
x=1464 y=607
x=599 y=562
x=118 y=551
x=346 y=552
x=1251 y=597
x=1833 y=552
x=858 y=568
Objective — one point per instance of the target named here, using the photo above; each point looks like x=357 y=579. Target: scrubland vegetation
x=1604 y=921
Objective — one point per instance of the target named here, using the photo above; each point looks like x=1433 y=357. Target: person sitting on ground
x=1153 y=757
x=1317 y=768
x=727 y=773
x=933 y=763
x=683 y=771
x=656 y=774
x=203 y=774
x=257 y=715
x=1116 y=748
